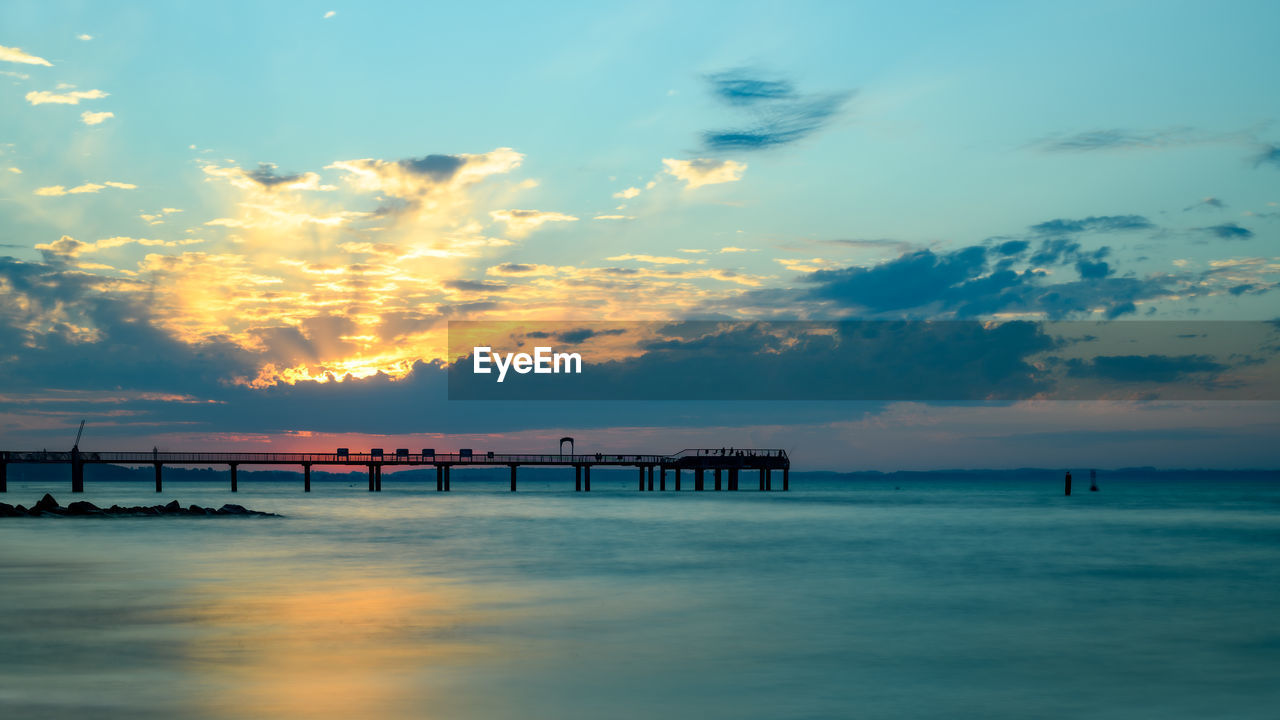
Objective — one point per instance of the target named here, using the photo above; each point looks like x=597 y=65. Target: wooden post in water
x=586 y=478
x=513 y=477
x=4 y=473
x=641 y=468
x=677 y=471
x=447 y=473
x=717 y=479
x=378 y=477
x=761 y=480
x=786 y=479
x=733 y=479
x=650 y=478
x=662 y=478
x=306 y=477
x=697 y=480
x=439 y=478
x=577 y=478
x=1068 y=492
x=159 y=484
x=371 y=477
x=234 y=484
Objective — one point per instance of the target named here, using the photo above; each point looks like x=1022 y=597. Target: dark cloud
x=1144 y=368
x=1104 y=223
x=779 y=115
x=437 y=167
x=1012 y=247
x=741 y=87
x=1116 y=139
x=267 y=176
x=1229 y=231
x=913 y=280
x=1269 y=155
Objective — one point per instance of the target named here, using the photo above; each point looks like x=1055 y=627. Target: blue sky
x=310 y=191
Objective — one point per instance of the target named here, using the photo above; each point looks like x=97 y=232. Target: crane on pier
x=75 y=447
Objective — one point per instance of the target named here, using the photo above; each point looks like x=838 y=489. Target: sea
x=967 y=598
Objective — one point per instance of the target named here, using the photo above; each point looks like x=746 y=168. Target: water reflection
x=336 y=648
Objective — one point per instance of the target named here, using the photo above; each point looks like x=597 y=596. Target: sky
x=249 y=226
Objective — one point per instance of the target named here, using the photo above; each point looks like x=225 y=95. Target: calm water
x=938 y=600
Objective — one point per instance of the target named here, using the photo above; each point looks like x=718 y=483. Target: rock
x=7 y=510
x=46 y=503
x=173 y=507
x=83 y=508
x=230 y=509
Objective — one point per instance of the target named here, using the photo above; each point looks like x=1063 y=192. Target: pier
x=724 y=465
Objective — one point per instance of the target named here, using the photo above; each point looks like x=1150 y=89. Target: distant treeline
x=97 y=473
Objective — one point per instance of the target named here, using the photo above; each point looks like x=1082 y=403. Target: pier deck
x=724 y=464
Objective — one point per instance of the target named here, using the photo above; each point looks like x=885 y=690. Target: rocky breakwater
x=47 y=506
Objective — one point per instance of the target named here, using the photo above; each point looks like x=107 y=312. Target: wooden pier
x=724 y=464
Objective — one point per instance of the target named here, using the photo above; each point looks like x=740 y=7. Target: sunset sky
x=250 y=228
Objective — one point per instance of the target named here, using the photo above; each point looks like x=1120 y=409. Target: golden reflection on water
x=333 y=649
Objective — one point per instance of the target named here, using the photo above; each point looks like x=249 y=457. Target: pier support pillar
x=641 y=487
x=762 y=471
x=439 y=478
x=159 y=484
x=650 y=478
x=718 y=480
x=577 y=478
x=733 y=479
x=77 y=472
x=586 y=478
x=447 y=487
x=677 y=471
x=234 y=485
x=768 y=479
x=377 y=485
x=697 y=480
x=662 y=478
x=786 y=479
x=306 y=478
x=513 y=478
x=4 y=477
x=372 y=480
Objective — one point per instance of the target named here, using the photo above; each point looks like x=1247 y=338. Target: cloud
x=330 y=14
x=1229 y=231
x=1211 y=203
x=417 y=178
x=267 y=177
x=628 y=193
x=59 y=190
x=95 y=118
x=16 y=55
x=704 y=171
x=740 y=87
x=655 y=259
x=84 y=36
x=779 y=115
x=1270 y=155
x=614 y=217
x=1117 y=139
x=1103 y=224
x=70 y=97
x=522 y=222
x=67 y=246
x=1144 y=368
